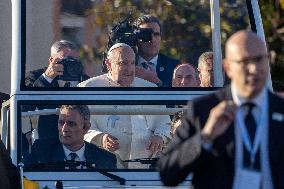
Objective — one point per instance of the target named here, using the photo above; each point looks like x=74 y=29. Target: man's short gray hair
x=144 y=19
x=83 y=110
x=203 y=57
x=57 y=46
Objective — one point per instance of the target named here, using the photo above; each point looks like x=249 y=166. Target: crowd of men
x=149 y=63
x=227 y=139
x=152 y=69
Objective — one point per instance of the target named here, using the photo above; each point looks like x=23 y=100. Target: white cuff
x=48 y=79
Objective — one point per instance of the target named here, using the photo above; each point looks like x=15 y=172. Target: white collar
x=154 y=60
x=258 y=100
x=115 y=84
x=80 y=152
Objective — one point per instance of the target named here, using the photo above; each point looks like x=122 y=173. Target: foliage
x=273 y=22
x=187 y=27
x=186 y=23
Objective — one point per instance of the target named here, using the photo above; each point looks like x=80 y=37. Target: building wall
x=43 y=27
x=38 y=39
x=39 y=33
x=5 y=45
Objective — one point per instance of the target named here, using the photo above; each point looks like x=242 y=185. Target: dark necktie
x=67 y=84
x=73 y=156
x=146 y=65
x=250 y=124
x=250 y=121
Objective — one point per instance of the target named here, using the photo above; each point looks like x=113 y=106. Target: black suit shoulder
x=35 y=79
x=165 y=69
x=102 y=158
x=202 y=105
x=51 y=150
x=168 y=59
x=9 y=171
x=276 y=102
x=43 y=150
x=185 y=153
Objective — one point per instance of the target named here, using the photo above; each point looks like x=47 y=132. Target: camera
x=129 y=34
x=73 y=69
x=124 y=32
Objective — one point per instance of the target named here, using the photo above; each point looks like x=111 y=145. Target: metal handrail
x=112 y=111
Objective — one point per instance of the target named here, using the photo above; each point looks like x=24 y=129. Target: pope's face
x=122 y=66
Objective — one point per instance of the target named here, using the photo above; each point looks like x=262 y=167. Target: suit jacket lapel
x=227 y=140
x=225 y=93
x=274 y=126
x=58 y=153
x=90 y=153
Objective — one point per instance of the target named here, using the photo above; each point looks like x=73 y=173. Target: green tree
x=273 y=22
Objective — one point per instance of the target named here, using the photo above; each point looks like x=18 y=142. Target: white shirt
x=61 y=83
x=48 y=79
x=105 y=81
x=261 y=102
x=80 y=153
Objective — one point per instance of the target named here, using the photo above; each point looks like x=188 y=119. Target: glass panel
x=184 y=35
x=104 y=135
x=234 y=17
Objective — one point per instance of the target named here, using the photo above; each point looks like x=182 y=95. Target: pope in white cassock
x=128 y=136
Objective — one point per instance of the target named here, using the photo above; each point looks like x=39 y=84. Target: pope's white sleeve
x=26 y=125
x=94 y=134
x=160 y=125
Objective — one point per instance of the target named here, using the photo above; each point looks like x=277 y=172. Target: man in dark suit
x=233 y=137
x=49 y=77
x=9 y=174
x=152 y=65
x=73 y=124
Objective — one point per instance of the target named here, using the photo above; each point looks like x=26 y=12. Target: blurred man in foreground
x=233 y=137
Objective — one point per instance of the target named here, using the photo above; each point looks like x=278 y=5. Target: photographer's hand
x=53 y=68
x=147 y=74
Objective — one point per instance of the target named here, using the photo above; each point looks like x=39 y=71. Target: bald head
x=246 y=43
x=246 y=63
x=184 y=76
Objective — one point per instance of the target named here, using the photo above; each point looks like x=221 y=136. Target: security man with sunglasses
x=152 y=65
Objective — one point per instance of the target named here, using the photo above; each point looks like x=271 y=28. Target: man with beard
x=152 y=65
x=128 y=136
